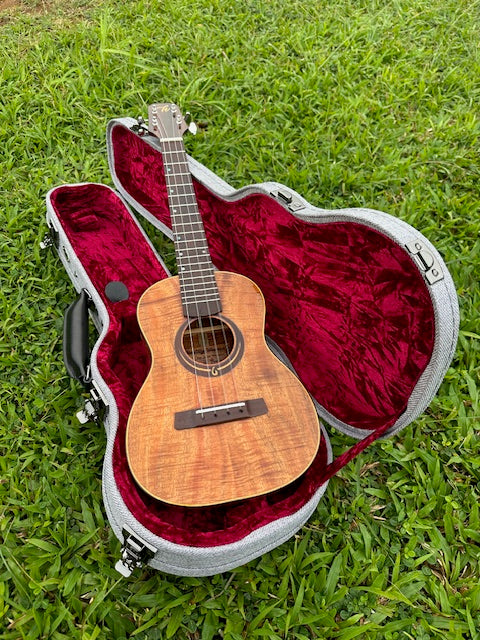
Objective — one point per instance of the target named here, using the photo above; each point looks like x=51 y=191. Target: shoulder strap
x=338 y=463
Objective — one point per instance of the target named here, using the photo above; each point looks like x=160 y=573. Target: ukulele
x=219 y=418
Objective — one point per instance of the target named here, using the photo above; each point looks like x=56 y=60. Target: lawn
x=350 y=103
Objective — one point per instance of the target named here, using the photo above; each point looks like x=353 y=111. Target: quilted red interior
x=345 y=303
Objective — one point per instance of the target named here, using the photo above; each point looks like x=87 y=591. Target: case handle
x=338 y=463
x=76 y=350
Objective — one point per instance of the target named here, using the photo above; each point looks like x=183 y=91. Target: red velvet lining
x=345 y=303
x=111 y=248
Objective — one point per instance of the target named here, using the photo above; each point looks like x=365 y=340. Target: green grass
x=351 y=103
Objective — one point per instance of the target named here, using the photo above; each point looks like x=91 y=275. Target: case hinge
x=425 y=261
x=135 y=552
x=284 y=197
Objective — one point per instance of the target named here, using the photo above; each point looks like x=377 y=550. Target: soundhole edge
x=209 y=345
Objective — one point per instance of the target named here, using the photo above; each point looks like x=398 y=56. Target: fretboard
x=200 y=296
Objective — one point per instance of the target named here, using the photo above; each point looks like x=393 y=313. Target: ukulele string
x=171 y=188
x=206 y=281
x=180 y=158
x=202 y=251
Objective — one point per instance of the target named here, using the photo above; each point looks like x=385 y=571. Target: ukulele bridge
x=221 y=413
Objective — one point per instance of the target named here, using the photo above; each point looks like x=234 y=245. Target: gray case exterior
x=140 y=544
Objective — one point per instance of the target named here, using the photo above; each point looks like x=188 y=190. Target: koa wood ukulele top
x=219 y=417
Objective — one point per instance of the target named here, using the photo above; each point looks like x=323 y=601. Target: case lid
x=354 y=308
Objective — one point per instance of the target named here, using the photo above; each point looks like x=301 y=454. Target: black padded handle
x=76 y=350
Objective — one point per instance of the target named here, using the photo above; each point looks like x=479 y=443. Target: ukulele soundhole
x=208 y=340
x=209 y=345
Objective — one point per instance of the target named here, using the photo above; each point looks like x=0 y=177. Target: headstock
x=165 y=121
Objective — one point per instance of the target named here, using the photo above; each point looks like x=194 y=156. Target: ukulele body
x=177 y=449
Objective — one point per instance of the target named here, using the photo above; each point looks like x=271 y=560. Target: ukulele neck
x=198 y=287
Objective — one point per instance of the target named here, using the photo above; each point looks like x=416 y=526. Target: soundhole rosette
x=209 y=346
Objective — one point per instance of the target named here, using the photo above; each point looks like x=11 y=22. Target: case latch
x=287 y=199
x=135 y=552
x=425 y=261
x=50 y=239
x=140 y=128
x=95 y=407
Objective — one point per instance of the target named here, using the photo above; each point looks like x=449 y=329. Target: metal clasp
x=135 y=552
x=94 y=407
x=140 y=128
x=425 y=261
x=46 y=242
x=287 y=199
x=50 y=239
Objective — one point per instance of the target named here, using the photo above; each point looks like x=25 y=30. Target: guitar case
x=358 y=303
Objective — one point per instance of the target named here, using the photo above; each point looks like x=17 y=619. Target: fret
x=189 y=252
x=187 y=257
x=177 y=173
x=179 y=184
x=193 y=276
x=201 y=287
x=172 y=188
x=174 y=199
x=182 y=189
x=202 y=284
x=184 y=238
x=186 y=271
x=187 y=204
x=172 y=162
x=179 y=159
x=179 y=150
x=198 y=287
x=199 y=300
x=198 y=296
x=196 y=281
x=194 y=261
x=189 y=222
x=198 y=262
x=181 y=147
x=182 y=232
x=191 y=283
x=180 y=200
x=199 y=292
x=204 y=289
x=172 y=185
